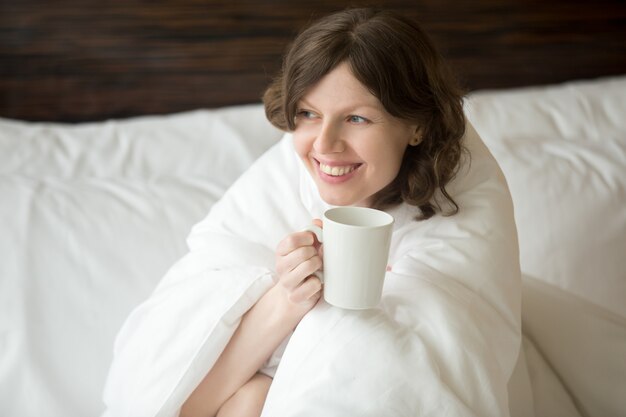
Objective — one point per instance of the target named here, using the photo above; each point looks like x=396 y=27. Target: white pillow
x=563 y=152
x=92 y=216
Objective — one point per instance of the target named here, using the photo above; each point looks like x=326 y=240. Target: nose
x=329 y=140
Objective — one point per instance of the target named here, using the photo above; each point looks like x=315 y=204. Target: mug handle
x=319 y=234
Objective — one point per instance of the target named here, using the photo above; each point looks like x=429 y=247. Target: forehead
x=340 y=88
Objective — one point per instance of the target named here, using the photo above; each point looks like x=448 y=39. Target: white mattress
x=93 y=215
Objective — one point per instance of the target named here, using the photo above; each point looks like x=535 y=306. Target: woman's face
x=349 y=143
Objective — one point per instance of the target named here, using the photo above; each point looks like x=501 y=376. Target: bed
x=121 y=125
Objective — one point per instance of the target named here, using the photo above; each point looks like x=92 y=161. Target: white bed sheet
x=93 y=215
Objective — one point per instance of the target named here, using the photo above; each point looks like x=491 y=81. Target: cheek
x=391 y=157
x=392 y=161
x=400 y=148
x=394 y=164
x=301 y=144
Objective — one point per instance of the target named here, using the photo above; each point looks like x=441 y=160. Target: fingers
x=300 y=273
x=310 y=290
x=290 y=261
x=297 y=259
x=294 y=241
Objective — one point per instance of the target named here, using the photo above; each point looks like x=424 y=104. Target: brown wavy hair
x=397 y=62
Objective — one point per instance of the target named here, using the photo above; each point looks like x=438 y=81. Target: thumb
x=317 y=244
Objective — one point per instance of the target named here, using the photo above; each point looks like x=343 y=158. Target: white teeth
x=336 y=171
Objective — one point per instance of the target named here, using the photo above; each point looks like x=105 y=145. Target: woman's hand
x=264 y=326
x=298 y=256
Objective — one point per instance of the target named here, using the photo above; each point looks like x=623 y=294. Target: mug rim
x=377 y=218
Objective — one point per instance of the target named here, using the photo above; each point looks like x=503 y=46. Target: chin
x=337 y=201
x=342 y=201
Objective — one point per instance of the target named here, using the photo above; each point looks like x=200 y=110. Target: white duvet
x=443 y=341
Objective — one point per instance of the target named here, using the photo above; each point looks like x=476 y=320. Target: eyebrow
x=304 y=102
x=358 y=107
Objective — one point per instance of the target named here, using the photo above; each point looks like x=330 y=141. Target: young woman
x=375 y=120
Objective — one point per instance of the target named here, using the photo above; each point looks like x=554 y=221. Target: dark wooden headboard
x=78 y=60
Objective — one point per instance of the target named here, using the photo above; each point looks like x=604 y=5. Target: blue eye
x=305 y=114
x=357 y=119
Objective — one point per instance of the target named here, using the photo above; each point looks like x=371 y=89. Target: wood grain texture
x=92 y=60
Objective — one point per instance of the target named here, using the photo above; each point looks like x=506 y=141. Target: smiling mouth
x=337 y=171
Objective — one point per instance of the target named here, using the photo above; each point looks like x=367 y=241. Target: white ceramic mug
x=356 y=250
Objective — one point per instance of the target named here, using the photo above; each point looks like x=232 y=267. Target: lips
x=335 y=173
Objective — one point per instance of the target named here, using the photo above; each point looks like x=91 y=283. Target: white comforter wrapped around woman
x=443 y=341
